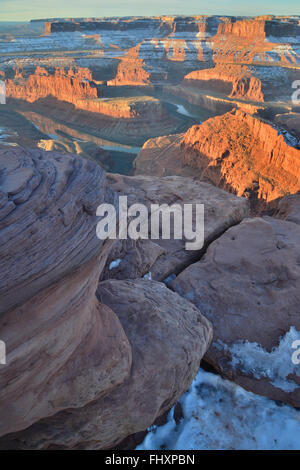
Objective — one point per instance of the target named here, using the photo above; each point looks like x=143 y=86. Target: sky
x=20 y=10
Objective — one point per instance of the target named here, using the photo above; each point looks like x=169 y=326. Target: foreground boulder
x=160 y=259
x=168 y=336
x=248 y=286
x=64 y=349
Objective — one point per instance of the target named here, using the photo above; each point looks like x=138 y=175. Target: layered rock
x=235 y=151
x=247 y=285
x=75 y=371
x=75 y=87
x=162 y=258
x=168 y=337
x=58 y=337
x=246 y=154
x=236 y=49
x=66 y=85
x=234 y=80
x=131 y=70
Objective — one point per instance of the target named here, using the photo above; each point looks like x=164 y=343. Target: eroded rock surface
x=87 y=364
x=64 y=348
x=162 y=258
x=248 y=286
x=168 y=336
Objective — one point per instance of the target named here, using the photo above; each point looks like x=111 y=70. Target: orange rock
x=131 y=70
x=234 y=80
x=240 y=152
x=250 y=29
x=64 y=85
x=236 y=152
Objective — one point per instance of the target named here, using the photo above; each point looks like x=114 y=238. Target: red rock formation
x=53 y=326
x=235 y=151
x=175 y=49
x=250 y=29
x=240 y=41
x=234 y=80
x=71 y=85
x=131 y=70
x=76 y=86
x=243 y=153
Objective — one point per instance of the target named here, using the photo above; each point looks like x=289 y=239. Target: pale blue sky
x=15 y=10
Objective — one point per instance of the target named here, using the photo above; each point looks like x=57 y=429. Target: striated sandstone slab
x=168 y=336
x=64 y=349
x=46 y=193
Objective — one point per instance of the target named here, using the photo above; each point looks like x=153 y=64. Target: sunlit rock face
x=163 y=43
x=235 y=81
x=99 y=69
x=235 y=151
x=67 y=85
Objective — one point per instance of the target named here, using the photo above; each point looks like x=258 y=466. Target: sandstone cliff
x=235 y=151
x=244 y=154
x=70 y=85
x=233 y=80
x=131 y=70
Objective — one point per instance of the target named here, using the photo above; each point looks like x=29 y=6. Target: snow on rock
x=114 y=264
x=248 y=286
x=276 y=365
x=219 y=415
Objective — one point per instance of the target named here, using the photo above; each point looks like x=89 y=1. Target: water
x=182 y=110
x=116 y=148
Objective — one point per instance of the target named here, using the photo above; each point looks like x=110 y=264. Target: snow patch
x=218 y=414
x=114 y=264
x=276 y=365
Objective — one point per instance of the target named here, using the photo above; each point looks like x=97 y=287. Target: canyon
x=236 y=151
x=163 y=110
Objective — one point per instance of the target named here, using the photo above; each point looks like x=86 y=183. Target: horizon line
x=150 y=16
